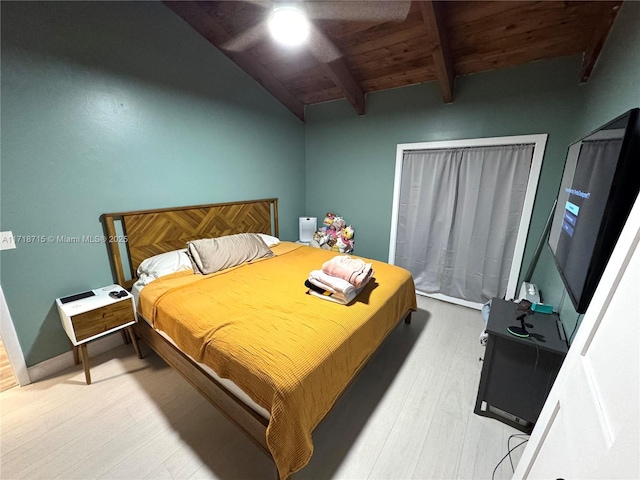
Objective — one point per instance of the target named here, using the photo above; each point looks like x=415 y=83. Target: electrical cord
x=493 y=475
x=546 y=388
x=521 y=436
x=560 y=303
x=575 y=327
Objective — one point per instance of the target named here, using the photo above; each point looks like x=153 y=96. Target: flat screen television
x=600 y=183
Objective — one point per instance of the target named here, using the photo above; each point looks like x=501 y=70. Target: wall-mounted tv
x=600 y=183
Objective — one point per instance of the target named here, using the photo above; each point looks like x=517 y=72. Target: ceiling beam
x=339 y=73
x=209 y=28
x=433 y=18
x=599 y=36
x=332 y=61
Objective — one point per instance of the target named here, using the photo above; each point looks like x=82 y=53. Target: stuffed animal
x=331 y=236
x=347 y=239
x=348 y=233
x=334 y=235
x=319 y=238
x=340 y=246
x=328 y=220
x=337 y=224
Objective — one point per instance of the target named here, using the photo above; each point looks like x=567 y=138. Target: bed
x=270 y=357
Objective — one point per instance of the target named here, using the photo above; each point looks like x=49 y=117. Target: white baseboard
x=457 y=301
x=56 y=364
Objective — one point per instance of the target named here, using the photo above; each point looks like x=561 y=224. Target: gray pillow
x=211 y=255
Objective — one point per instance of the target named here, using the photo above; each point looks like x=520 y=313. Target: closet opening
x=461 y=214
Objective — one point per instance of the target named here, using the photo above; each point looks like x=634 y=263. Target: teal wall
x=113 y=107
x=120 y=106
x=351 y=159
x=613 y=89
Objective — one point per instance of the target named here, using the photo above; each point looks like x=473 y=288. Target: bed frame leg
x=407 y=319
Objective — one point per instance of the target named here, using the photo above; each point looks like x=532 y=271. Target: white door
x=589 y=427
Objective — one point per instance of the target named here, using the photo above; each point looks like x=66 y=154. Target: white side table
x=94 y=317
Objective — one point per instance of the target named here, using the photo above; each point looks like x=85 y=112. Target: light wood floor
x=7 y=378
x=408 y=415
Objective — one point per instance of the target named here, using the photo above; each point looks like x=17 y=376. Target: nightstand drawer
x=100 y=320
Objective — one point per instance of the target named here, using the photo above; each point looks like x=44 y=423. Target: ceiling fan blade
x=321 y=47
x=261 y=3
x=364 y=11
x=247 y=39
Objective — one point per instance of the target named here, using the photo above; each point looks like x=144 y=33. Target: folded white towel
x=332 y=284
x=339 y=290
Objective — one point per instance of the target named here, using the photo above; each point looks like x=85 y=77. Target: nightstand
x=95 y=315
x=518 y=373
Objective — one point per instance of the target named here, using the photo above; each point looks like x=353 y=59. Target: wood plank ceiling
x=359 y=47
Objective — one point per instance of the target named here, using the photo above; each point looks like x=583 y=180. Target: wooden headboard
x=151 y=232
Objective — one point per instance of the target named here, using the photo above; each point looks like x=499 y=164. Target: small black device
x=120 y=294
x=78 y=296
x=520 y=331
x=523 y=309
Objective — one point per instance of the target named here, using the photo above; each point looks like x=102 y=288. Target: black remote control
x=79 y=296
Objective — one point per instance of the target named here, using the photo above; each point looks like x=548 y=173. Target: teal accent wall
x=351 y=159
x=120 y=106
x=613 y=89
x=116 y=106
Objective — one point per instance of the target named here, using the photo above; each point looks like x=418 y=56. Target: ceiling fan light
x=289 y=26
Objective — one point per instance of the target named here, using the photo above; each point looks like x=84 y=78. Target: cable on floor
x=493 y=475
x=518 y=435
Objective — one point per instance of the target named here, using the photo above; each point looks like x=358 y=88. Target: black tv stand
x=518 y=372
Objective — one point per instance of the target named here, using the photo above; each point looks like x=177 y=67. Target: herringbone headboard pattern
x=150 y=232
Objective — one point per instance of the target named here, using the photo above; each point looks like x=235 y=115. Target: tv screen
x=600 y=183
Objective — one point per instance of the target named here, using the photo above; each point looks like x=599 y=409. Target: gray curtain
x=458 y=219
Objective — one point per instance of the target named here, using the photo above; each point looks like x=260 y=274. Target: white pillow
x=163 y=264
x=269 y=240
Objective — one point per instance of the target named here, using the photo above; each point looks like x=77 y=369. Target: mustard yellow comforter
x=292 y=353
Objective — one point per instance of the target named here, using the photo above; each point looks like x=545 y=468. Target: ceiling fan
x=292 y=23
